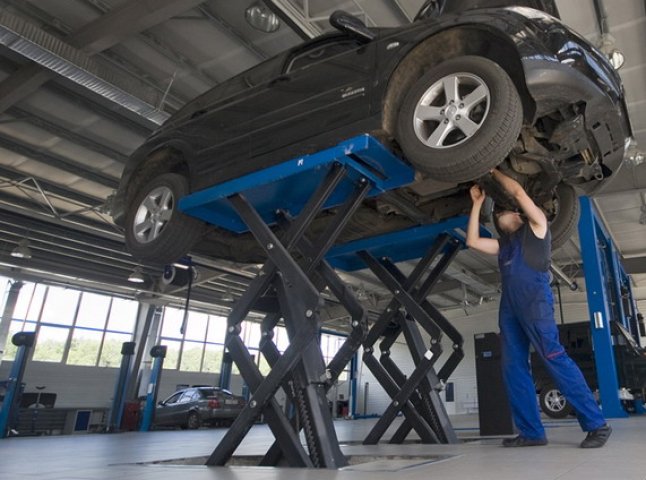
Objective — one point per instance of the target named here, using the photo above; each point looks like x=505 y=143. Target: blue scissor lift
x=278 y=205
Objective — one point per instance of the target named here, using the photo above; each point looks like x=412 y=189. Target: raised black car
x=461 y=90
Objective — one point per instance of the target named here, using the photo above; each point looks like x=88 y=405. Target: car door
x=325 y=85
x=218 y=127
x=165 y=410
x=180 y=412
x=319 y=86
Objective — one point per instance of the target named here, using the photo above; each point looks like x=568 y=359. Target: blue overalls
x=527 y=316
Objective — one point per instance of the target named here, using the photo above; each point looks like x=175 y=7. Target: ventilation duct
x=53 y=54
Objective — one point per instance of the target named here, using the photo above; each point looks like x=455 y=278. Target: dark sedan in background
x=469 y=86
x=192 y=407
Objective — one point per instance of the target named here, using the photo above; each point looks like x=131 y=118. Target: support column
x=225 y=371
x=146 y=318
x=7 y=314
x=9 y=410
x=158 y=353
x=596 y=247
x=147 y=341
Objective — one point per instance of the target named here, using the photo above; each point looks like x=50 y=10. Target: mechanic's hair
x=498 y=209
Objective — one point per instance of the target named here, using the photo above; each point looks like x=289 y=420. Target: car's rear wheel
x=553 y=403
x=460 y=119
x=155 y=230
x=193 y=421
x=564 y=224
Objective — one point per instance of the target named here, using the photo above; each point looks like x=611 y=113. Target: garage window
x=74 y=327
x=330 y=345
x=50 y=344
x=200 y=348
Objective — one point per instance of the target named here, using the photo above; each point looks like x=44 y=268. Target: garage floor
x=126 y=455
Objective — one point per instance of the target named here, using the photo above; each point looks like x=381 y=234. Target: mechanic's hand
x=477 y=194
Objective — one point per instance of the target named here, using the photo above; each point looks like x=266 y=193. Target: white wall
x=93 y=387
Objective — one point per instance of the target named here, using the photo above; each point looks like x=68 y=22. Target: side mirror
x=351 y=25
x=161 y=404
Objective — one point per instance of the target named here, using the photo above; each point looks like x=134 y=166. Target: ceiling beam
x=231 y=32
x=33 y=210
x=406 y=17
x=16 y=176
x=98 y=106
x=132 y=17
x=53 y=160
x=50 y=52
x=67 y=134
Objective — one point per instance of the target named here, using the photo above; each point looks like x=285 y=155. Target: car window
x=186 y=397
x=319 y=53
x=208 y=392
x=173 y=398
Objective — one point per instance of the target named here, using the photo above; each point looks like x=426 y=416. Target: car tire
x=193 y=421
x=459 y=137
x=155 y=230
x=553 y=403
x=565 y=223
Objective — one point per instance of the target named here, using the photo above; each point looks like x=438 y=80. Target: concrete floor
x=103 y=456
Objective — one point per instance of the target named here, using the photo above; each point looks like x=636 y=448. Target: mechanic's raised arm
x=535 y=215
x=474 y=240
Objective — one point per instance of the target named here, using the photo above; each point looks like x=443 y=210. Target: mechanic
x=526 y=316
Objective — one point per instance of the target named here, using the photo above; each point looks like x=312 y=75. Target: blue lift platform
x=277 y=205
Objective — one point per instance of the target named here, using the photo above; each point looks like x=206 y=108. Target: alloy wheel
x=452 y=110
x=153 y=214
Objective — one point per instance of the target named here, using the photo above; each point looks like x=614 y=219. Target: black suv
x=630 y=360
x=470 y=85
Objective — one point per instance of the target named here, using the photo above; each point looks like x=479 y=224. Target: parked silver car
x=192 y=407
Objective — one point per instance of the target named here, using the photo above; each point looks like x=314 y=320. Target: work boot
x=521 y=441
x=597 y=438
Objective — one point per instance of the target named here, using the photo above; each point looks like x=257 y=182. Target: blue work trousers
x=526 y=317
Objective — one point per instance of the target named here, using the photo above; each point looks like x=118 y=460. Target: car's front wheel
x=155 y=230
x=553 y=403
x=460 y=119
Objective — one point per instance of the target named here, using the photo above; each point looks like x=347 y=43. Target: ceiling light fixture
x=608 y=47
x=260 y=17
x=22 y=250
x=137 y=275
x=633 y=156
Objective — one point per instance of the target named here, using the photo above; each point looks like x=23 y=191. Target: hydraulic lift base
x=277 y=205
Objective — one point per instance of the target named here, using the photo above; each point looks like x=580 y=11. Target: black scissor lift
x=278 y=205
x=410 y=314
